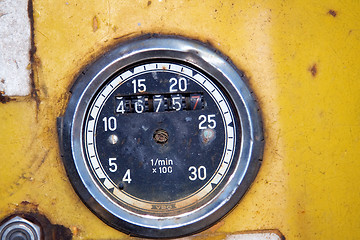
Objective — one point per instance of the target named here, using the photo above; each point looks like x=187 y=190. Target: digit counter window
x=161 y=137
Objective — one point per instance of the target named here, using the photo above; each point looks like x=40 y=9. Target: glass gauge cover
x=161 y=136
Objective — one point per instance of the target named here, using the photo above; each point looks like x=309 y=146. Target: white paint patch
x=254 y=236
x=15 y=44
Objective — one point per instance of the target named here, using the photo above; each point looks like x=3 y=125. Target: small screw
x=113 y=139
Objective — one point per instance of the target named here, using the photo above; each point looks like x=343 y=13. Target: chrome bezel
x=171 y=48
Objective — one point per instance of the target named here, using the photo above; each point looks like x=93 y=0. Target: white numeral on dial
x=180 y=84
x=197 y=173
x=139 y=106
x=176 y=102
x=112 y=165
x=127 y=177
x=109 y=123
x=121 y=107
x=158 y=103
x=139 y=85
x=211 y=123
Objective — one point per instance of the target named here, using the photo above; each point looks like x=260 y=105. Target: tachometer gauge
x=161 y=136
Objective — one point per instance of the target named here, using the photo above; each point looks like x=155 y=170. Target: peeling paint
x=3 y=98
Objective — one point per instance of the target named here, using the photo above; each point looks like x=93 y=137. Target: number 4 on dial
x=127 y=177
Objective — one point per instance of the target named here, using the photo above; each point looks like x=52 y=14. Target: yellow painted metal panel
x=302 y=61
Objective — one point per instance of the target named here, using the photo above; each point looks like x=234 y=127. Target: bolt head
x=18 y=228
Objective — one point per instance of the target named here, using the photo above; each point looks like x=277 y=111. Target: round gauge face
x=161 y=137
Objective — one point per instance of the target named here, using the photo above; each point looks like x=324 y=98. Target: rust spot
x=36 y=67
x=214 y=229
x=140 y=164
x=313 y=70
x=95 y=24
x=189 y=142
x=60 y=232
x=332 y=12
x=207 y=136
x=4 y=99
x=161 y=136
x=74 y=230
x=35 y=63
x=125 y=36
x=149 y=3
x=2 y=81
x=27 y=204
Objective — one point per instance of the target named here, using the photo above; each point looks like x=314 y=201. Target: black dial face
x=160 y=138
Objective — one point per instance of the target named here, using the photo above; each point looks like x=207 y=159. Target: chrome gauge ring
x=161 y=136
